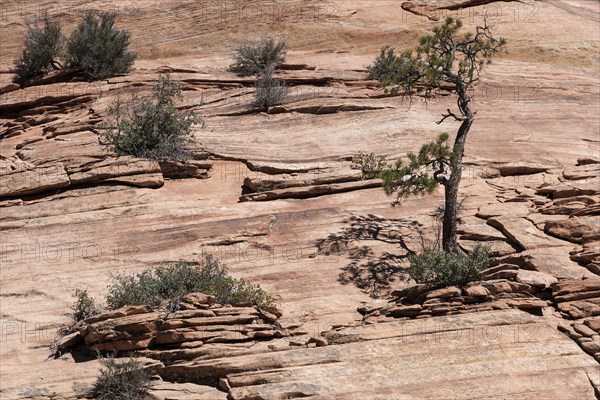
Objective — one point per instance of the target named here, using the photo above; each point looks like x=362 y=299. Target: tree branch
x=450 y=114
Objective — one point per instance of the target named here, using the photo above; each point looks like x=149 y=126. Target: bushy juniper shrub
x=98 y=49
x=42 y=48
x=438 y=268
x=254 y=58
x=150 y=127
x=159 y=285
x=121 y=380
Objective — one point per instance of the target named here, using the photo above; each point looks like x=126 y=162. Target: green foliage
x=370 y=164
x=254 y=58
x=84 y=306
x=268 y=91
x=442 y=60
x=442 y=57
x=42 y=47
x=150 y=127
x=121 y=380
x=382 y=68
x=421 y=175
x=438 y=268
x=98 y=48
x=158 y=285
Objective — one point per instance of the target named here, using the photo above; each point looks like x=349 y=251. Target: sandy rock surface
x=274 y=196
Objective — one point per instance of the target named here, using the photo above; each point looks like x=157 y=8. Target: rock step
x=258 y=185
x=305 y=192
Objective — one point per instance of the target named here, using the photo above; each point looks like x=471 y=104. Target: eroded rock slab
x=421 y=356
x=32 y=180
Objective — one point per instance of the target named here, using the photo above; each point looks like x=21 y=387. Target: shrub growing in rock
x=384 y=64
x=42 y=47
x=254 y=58
x=84 y=306
x=163 y=284
x=121 y=380
x=268 y=91
x=98 y=49
x=150 y=127
x=438 y=268
x=370 y=164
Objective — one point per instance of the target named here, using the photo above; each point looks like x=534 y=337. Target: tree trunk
x=449 y=242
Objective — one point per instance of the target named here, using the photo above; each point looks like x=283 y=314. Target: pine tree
x=443 y=58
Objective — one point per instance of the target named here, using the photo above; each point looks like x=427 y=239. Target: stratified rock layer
x=312 y=233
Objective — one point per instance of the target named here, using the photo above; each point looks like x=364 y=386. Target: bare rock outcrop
x=23 y=179
x=358 y=361
x=304 y=192
x=578 y=298
x=579 y=302
x=198 y=321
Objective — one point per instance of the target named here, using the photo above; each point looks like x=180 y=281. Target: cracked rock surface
x=275 y=197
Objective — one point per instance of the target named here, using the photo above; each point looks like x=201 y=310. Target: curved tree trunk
x=449 y=242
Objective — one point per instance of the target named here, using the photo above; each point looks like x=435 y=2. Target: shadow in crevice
x=367 y=270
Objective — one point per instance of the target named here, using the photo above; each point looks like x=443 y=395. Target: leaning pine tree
x=441 y=59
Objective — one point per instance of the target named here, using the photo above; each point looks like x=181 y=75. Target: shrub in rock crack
x=439 y=268
x=98 y=49
x=42 y=47
x=84 y=306
x=254 y=58
x=150 y=127
x=268 y=91
x=121 y=380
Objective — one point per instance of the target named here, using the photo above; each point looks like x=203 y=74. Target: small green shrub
x=150 y=127
x=84 y=306
x=438 y=268
x=98 y=48
x=158 y=285
x=268 y=91
x=384 y=64
x=42 y=47
x=254 y=58
x=121 y=380
x=370 y=164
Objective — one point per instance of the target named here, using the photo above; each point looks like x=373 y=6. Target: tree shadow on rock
x=367 y=270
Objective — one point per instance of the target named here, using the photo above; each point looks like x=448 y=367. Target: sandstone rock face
x=200 y=322
x=328 y=372
x=575 y=229
x=579 y=300
x=17 y=182
x=275 y=197
x=534 y=278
